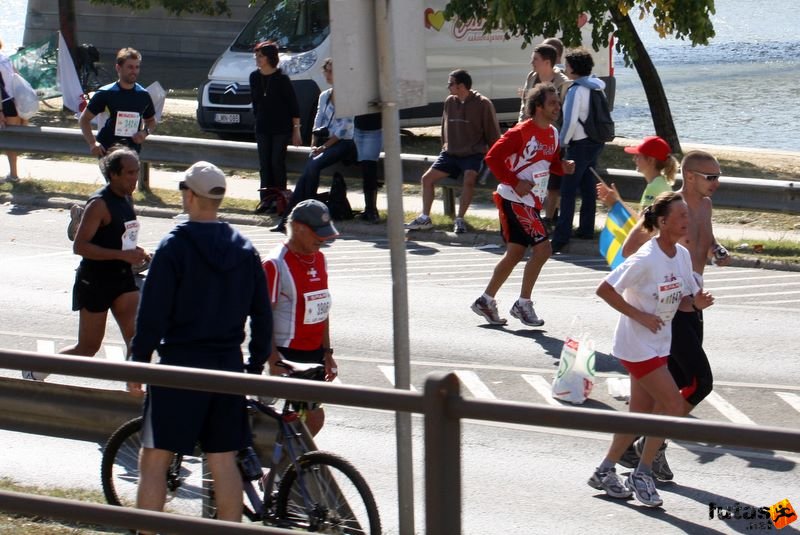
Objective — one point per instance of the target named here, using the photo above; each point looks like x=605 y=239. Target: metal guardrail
x=441 y=404
x=746 y=193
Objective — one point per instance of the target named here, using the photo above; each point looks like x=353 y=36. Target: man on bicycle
x=297 y=277
x=204 y=281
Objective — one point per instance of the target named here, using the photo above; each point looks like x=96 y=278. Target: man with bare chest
x=688 y=362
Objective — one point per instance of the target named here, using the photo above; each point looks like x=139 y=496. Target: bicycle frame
x=289 y=444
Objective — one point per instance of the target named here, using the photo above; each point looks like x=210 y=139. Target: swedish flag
x=618 y=224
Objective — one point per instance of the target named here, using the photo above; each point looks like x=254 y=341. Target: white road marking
x=541 y=386
x=45 y=346
x=727 y=410
x=474 y=384
x=792 y=399
x=388 y=371
x=115 y=353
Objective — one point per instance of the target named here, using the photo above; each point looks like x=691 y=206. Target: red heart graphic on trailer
x=583 y=18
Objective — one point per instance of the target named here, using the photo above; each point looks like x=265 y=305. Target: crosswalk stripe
x=729 y=411
x=474 y=384
x=792 y=399
x=45 y=346
x=114 y=353
x=541 y=386
x=388 y=371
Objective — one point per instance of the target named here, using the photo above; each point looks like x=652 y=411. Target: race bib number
x=318 y=304
x=127 y=123
x=540 y=181
x=131 y=235
x=669 y=297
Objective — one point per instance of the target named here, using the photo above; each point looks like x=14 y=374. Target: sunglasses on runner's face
x=710 y=178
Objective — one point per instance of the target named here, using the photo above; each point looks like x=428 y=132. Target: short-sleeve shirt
x=298 y=290
x=126 y=109
x=654 y=283
x=655 y=188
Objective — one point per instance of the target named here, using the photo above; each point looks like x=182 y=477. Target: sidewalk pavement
x=247 y=188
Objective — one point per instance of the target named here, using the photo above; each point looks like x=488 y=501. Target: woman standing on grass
x=646 y=290
x=277 y=118
x=8 y=112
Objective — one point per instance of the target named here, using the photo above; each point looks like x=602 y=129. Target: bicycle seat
x=302 y=370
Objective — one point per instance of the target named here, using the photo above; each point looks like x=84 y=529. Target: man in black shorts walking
x=204 y=281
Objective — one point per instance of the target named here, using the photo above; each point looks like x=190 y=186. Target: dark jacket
x=204 y=280
x=274 y=102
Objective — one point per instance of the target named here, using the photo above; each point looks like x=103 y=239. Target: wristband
x=328 y=350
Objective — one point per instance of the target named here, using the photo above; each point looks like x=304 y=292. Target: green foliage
x=684 y=19
x=175 y=7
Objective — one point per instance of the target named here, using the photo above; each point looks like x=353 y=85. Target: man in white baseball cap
x=205 y=280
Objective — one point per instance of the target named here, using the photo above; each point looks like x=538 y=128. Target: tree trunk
x=651 y=81
x=66 y=23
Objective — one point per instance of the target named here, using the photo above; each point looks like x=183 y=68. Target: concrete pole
x=393 y=171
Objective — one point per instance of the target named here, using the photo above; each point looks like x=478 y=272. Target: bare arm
x=86 y=129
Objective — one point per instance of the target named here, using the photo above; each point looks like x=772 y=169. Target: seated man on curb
x=469 y=128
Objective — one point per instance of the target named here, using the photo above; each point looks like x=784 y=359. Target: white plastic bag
x=25 y=98
x=575 y=377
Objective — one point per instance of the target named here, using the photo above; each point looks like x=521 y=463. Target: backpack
x=275 y=200
x=336 y=199
x=599 y=125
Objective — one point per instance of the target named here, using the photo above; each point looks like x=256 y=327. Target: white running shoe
x=644 y=488
x=422 y=222
x=488 y=309
x=609 y=482
x=34 y=376
x=526 y=314
x=75 y=215
x=459 y=227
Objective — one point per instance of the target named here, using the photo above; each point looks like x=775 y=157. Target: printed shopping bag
x=575 y=377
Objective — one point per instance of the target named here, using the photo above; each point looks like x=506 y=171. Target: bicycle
x=318 y=491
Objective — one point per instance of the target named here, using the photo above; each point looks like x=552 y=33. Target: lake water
x=742 y=89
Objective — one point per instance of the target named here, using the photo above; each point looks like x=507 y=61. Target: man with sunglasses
x=687 y=362
x=204 y=281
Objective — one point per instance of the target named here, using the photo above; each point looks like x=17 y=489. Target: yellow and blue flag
x=618 y=224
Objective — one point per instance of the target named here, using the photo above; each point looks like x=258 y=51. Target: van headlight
x=292 y=65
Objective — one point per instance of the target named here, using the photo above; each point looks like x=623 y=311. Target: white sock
x=488 y=298
x=523 y=301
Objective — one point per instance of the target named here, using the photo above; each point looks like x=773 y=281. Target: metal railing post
x=442 y=456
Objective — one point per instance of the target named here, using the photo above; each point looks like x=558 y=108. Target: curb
x=587 y=248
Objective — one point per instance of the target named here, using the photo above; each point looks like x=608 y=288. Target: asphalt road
x=516 y=479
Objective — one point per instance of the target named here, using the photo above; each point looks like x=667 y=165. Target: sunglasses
x=182 y=185
x=710 y=178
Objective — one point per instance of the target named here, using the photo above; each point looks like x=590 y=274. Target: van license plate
x=226 y=118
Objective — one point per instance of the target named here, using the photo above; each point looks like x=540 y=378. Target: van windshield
x=296 y=25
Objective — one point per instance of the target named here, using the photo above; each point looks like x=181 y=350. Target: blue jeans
x=585 y=152
x=308 y=182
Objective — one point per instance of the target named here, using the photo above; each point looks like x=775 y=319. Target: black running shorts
x=96 y=292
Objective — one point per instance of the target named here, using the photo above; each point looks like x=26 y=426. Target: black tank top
x=110 y=236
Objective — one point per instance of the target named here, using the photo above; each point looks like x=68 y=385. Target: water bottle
x=249 y=465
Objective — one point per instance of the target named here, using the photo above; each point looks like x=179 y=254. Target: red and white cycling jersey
x=298 y=289
x=525 y=152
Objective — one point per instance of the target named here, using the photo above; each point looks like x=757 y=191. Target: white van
x=301 y=28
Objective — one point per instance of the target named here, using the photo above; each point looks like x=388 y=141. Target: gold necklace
x=303 y=260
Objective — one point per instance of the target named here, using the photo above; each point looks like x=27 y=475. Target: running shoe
x=75 y=215
x=34 y=376
x=661 y=469
x=644 y=488
x=609 y=482
x=422 y=222
x=526 y=314
x=459 y=227
x=12 y=178
x=488 y=309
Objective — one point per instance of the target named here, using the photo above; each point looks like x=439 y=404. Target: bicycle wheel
x=337 y=498
x=189 y=488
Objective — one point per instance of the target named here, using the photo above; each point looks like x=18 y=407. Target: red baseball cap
x=652 y=146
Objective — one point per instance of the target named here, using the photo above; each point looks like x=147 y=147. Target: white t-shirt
x=654 y=283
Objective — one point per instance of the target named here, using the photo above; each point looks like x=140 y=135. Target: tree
x=685 y=19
